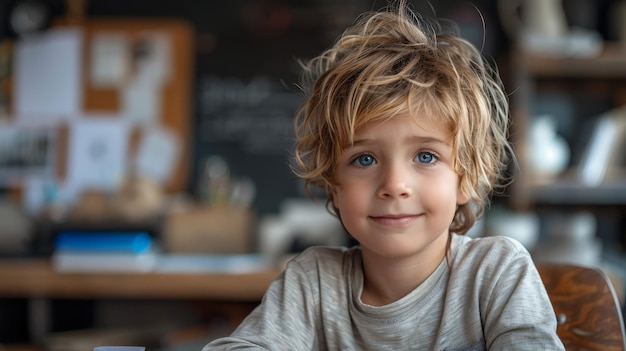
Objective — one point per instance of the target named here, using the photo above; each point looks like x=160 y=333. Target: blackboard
x=249 y=122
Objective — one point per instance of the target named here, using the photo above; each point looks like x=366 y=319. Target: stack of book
x=87 y=251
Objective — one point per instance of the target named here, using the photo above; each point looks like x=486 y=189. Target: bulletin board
x=174 y=98
x=176 y=94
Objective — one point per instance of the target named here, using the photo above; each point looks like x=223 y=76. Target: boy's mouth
x=392 y=219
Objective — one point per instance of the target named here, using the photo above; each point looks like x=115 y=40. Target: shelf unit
x=533 y=75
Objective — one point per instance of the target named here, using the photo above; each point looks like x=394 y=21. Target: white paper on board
x=157 y=154
x=48 y=78
x=142 y=93
x=110 y=60
x=141 y=103
x=98 y=150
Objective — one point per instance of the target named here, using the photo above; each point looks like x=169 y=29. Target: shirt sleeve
x=285 y=319
x=518 y=313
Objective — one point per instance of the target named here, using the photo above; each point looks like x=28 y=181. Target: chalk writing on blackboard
x=256 y=113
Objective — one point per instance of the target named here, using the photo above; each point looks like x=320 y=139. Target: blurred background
x=152 y=139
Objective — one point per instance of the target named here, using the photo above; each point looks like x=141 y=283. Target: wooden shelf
x=568 y=190
x=610 y=64
x=571 y=193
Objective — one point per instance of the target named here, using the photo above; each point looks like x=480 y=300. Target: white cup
x=119 y=348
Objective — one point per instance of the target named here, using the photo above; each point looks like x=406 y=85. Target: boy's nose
x=395 y=183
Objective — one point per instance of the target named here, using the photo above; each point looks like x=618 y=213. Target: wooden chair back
x=588 y=311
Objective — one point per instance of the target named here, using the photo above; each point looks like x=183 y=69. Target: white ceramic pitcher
x=545 y=18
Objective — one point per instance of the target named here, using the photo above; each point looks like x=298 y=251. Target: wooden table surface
x=38 y=278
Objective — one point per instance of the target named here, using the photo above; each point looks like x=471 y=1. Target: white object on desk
x=571 y=238
x=102 y=262
x=216 y=263
x=97 y=262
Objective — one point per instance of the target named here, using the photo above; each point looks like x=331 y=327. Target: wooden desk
x=37 y=278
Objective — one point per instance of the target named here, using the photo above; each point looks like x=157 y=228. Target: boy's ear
x=333 y=197
x=461 y=198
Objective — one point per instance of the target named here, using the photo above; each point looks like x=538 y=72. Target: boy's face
x=397 y=191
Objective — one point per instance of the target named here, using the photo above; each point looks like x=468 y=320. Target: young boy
x=406 y=130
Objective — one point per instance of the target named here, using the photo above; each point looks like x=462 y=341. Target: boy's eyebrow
x=420 y=139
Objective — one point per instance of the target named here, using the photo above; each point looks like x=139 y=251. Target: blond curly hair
x=390 y=62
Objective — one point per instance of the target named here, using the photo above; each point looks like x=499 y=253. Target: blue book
x=131 y=242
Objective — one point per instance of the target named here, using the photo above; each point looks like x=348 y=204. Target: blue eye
x=425 y=157
x=364 y=160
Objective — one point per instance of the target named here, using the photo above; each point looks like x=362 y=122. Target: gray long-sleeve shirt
x=489 y=296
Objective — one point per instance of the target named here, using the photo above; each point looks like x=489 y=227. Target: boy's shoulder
x=328 y=257
x=489 y=247
x=497 y=241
